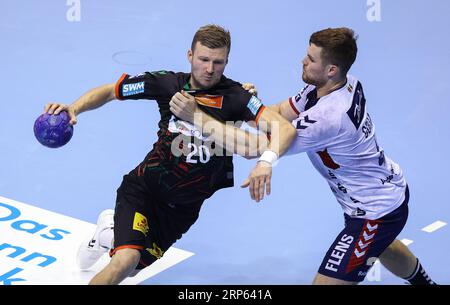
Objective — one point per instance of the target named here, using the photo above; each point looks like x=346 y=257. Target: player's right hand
x=56 y=108
x=183 y=106
x=259 y=180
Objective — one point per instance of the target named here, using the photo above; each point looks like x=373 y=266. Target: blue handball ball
x=53 y=130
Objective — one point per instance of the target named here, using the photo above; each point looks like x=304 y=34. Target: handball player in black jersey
x=159 y=200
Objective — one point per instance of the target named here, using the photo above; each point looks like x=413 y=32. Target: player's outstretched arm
x=92 y=99
x=282 y=134
x=231 y=138
x=281 y=130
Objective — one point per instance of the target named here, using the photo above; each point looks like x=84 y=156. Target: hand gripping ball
x=53 y=130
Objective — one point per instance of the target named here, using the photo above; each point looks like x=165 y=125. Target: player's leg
x=130 y=232
x=92 y=250
x=358 y=245
x=122 y=264
x=398 y=259
x=321 y=279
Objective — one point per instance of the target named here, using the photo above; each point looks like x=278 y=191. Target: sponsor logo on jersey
x=254 y=105
x=132 y=89
x=362 y=274
x=332 y=175
x=155 y=251
x=350 y=88
x=214 y=101
x=387 y=180
x=358 y=211
x=186 y=128
x=338 y=253
x=140 y=223
x=356 y=201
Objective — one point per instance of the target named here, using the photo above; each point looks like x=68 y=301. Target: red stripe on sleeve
x=118 y=84
x=293 y=107
x=259 y=113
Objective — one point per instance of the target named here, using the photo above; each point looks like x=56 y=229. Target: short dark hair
x=338 y=47
x=213 y=37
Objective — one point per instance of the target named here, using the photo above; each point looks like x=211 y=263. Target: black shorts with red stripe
x=148 y=219
x=361 y=242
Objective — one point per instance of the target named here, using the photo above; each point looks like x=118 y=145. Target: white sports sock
x=106 y=238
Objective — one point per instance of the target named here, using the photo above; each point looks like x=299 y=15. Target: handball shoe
x=90 y=251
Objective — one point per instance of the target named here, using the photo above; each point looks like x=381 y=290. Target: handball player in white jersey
x=336 y=131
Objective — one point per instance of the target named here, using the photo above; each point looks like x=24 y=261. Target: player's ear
x=333 y=70
x=190 y=55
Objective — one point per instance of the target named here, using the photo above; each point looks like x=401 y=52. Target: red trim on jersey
x=327 y=160
x=293 y=107
x=183 y=167
x=118 y=84
x=140 y=171
x=259 y=113
x=113 y=251
x=191 y=182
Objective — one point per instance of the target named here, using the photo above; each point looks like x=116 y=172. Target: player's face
x=314 y=69
x=207 y=65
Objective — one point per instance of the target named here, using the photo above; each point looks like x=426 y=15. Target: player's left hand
x=250 y=88
x=259 y=180
x=184 y=106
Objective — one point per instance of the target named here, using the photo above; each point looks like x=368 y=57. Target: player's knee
x=396 y=248
x=397 y=253
x=125 y=259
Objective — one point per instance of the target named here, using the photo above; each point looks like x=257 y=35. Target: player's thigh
x=326 y=280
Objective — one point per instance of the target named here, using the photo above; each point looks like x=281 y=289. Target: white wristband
x=269 y=156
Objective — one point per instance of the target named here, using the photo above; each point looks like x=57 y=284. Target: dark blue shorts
x=362 y=241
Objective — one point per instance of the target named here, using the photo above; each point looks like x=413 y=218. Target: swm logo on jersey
x=132 y=89
x=254 y=105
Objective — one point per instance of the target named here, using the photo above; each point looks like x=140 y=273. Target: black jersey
x=198 y=173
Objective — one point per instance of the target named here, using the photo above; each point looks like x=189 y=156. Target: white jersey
x=338 y=135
